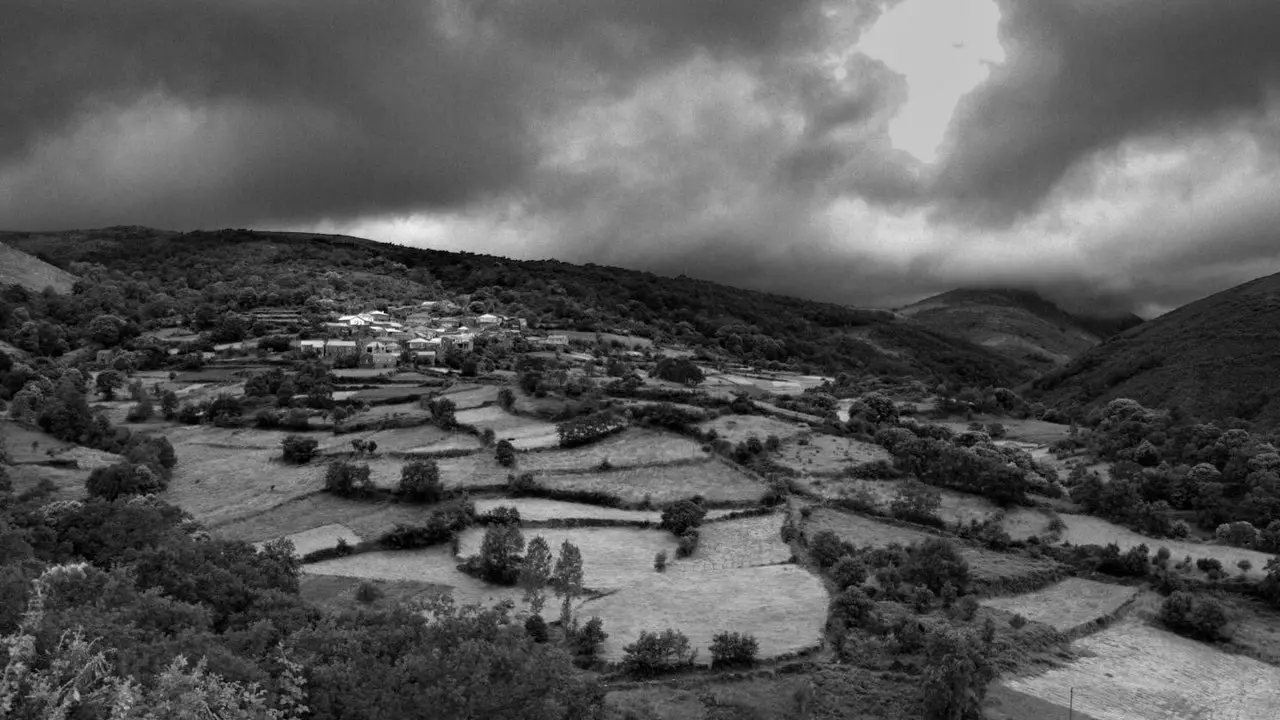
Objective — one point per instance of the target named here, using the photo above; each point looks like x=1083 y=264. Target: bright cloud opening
x=944 y=49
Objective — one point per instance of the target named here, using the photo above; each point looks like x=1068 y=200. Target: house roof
x=340 y=343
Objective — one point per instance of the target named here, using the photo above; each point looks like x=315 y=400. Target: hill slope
x=245 y=269
x=1215 y=358
x=1016 y=323
x=19 y=268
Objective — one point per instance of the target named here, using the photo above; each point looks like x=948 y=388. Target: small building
x=377 y=316
x=419 y=344
x=339 y=329
x=488 y=319
x=461 y=342
x=312 y=346
x=557 y=340
x=424 y=357
x=340 y=348
x=379 y=360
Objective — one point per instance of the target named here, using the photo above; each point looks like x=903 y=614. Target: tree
x=168 y=404
x=653 y=653
x=682 y=516
x=679 y=370
x=443 y=410
x=123 y=479
x=106 y=330
x=345 y=478
x=499 y=559
x=848 y=571
x=733 y=650
x=141 y=411
x=957 y=669
x=505 y=453
x=880 y=408
x=420 y=481
x=535 y=571
x=506 y=399
x=107 y=382
x=298 y=449
x=567 y=577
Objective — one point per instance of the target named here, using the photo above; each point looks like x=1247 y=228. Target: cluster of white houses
x=427 y=332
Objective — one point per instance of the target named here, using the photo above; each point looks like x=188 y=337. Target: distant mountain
x=1213 y=359
x=32 y=273
x=1018 y=324
x=237 y=270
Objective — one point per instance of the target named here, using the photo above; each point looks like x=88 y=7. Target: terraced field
x=612 y=557
x=715 y=480
x=827 y=454
x=1089 y=530
x=1066 y=605
x=633 y=447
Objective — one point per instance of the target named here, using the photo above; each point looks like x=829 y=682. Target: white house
x=560 y=340
x=419 y=344
x=336 y=348
x=315 y=346
x=488 y=319
x=378 y=316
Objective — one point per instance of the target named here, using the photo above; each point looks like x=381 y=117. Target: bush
x=420 y=482
x=688 y=544
x=502 y=515
x=523 y=484
x=536 y=627
x=589 y=429
x=1240 y=534
x=367 y=592
x=733 y=650
x=141 y=411
x=342 y=549
x=654 y=653
x=298 y=449
x=1209 y=565
x=586 y=641
x=505 y=453
x=853 y=608
x=660 y=561
x=848 y=571
x=1199 y=617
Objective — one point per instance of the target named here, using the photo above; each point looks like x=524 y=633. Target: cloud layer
x=1124 y=152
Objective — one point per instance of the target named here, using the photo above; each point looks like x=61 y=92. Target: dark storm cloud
x=1084 y=75
x=317 y=108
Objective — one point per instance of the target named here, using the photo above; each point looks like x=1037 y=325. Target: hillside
x=1019 y=324
x=242 y=269
x=1213 y=359
x=19 y=268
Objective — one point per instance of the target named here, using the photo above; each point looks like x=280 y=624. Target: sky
x=1113 y=154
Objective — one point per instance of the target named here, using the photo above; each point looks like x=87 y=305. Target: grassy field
x=955 y=506
x=523 y=432
x=17 y=440
x=743 y=542
x=827 y=454
x=714 y=480
x=632 y=447
x=783 y=606
x=736 y=428
x=541 y=509
x=337 y=593
x=380 y=412
x=612 y=558
x=453 y=443
x=394 y=393
x=397 y=440
x=436 y=566
x=1021 y=523
x=1066 y=605
x=1132 y=671
x=1028 y=430
x=325 y=536
x=1089 y=530
x=367 y=520
x=467 y=397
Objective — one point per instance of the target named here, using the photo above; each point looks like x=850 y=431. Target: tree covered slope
x=1016 y=323
x=1213 y=359
x=243 y=269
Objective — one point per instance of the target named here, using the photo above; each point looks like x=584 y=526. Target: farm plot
x=1022 y=523
x=476 y=470
x=393 y=394
x=397 y=440
x=26 y=445
x=539 y=509
x=954 y=506
x=394 y=411
x=737 y=428
x=429 y=565
x=68 y=482
x=827 y=454
x=218 y=485
x=325 y=536
x=859 y=530
x=738 y=543
x=1132 y=671
x=367 y=520
x=611 y=557
x=714 y=480
x=783 y=606
x=468 y=397
x=1066 y=605
x=633 y=447
x=457 y=442
x=524 y=433
x=1089 y=530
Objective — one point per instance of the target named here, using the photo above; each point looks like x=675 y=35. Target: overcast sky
x=855 y=151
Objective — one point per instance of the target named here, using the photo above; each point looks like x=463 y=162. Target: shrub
x=367 y=592
x=522 y=484
x=342 y=549
x=682 y=516
x=935 y=562
x=853 y=608
x=499 y=559
x=506 y=399
x=653 y=653
x=1162 y=557
x=505 y=453
x=124 y=479
x=141 y=411
x=420 y=482
x=688 y=544
x=1209 y=565
x=266 y=419
x=826 y=548
x=298 y=449
x=536 y=627
x=966 y=608
x=1199 y=617
x=1244 y=565
x=733 y=650
x=1017 y=622
x=502 y=515
x=586 y=641
x=660 y=561
x=1240 y=534
x=442 y=525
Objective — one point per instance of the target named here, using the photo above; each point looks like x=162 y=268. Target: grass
x=367 y=520
x=17 y=439
x=397 y=440
x=633 y=447
x=466 y=397
x=325 y=536
x=743 y=542
x=1022 y=523
x=523 y=432
x=783 y=606
x=827 y=454
x=954 y=507
x=538 y=509
x=612 y=558
x=435 y=565
x=337 y=593
x=714 y=480
x=737 y=428
x=1068 y=604
x=393 y=394
x=1003 y=703
x=19 y=268
x=1089 y=530
x=1132 y=671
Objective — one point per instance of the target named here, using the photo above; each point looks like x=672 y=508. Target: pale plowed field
x=1066 y=605
x=714 y=480
x=630 y=448
x=744 y=542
